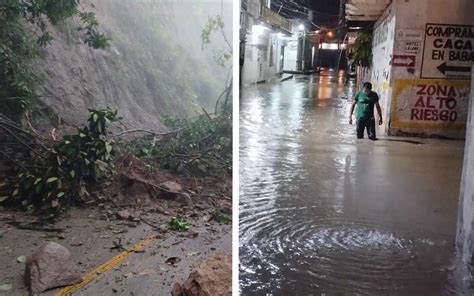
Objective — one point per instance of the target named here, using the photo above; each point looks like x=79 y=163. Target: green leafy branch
x=62 y=176
x=201 y=145
x=362 y=48
x=213 y=24
x=216 y=24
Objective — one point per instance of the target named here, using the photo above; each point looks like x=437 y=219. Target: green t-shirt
x=365 y=104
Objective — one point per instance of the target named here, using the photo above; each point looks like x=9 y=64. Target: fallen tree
x=46 y=175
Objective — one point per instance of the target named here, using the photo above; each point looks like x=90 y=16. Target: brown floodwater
x=322 y=213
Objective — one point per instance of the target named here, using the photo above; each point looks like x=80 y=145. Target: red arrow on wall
x=403 y=61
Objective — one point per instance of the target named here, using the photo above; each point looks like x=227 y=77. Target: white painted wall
x=382 y=51
x=465 y=232
x=412 y=17
x=401 y=98
x=291 y=53
x=275 y=41
x=257 y=66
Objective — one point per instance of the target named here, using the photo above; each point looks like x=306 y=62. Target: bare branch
x=138 y=130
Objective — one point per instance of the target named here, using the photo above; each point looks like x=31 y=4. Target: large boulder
x=49 y=267
x=171 y=186
x=123 y=215
x=184 y=199
x=225 y=207
x=212 y=277
x=170 y=189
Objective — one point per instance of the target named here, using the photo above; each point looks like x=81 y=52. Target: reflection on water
x=323 y=213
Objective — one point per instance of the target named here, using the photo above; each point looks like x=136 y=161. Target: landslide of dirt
x=136 y=185
x=150 y=70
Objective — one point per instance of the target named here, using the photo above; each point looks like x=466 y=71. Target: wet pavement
x=322 y=213
x=90 y=239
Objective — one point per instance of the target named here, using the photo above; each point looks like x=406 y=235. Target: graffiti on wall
x=381 y=32
x=430 y=104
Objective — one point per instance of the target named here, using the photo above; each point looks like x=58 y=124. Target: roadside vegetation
x=362 y=49
x=23 y=31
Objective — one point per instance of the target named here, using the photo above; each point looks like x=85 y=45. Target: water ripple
x=307 y=225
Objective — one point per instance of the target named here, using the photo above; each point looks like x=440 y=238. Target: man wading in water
x=365 y=101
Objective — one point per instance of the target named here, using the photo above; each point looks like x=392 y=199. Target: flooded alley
x=323 y=213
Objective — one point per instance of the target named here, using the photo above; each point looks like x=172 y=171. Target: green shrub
x=198 y=145
x=363 y=49
x=179 y=224
x=73 y=163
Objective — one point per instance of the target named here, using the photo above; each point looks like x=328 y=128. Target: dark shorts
x=366 y=123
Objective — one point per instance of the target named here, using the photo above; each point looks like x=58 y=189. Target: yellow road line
x=98 y=271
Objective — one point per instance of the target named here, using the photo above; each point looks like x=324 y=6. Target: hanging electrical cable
x=284 y=8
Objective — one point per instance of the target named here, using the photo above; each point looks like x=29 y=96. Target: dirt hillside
x=155 y=67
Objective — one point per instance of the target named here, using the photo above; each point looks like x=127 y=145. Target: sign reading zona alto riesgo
x=448 y=51
x=428 y=104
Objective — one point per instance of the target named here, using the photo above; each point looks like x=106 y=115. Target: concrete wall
x=262 y=54
x=273 y=54
x=382 y=51
x=293 y=50
x=422 y=98
x=256 y=47
x=291 y=54
x=465 y=233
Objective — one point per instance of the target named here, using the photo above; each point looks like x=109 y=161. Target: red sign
x=403 y=61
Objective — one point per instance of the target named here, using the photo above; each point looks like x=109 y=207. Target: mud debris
x=212 y=277
x=123 y=215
